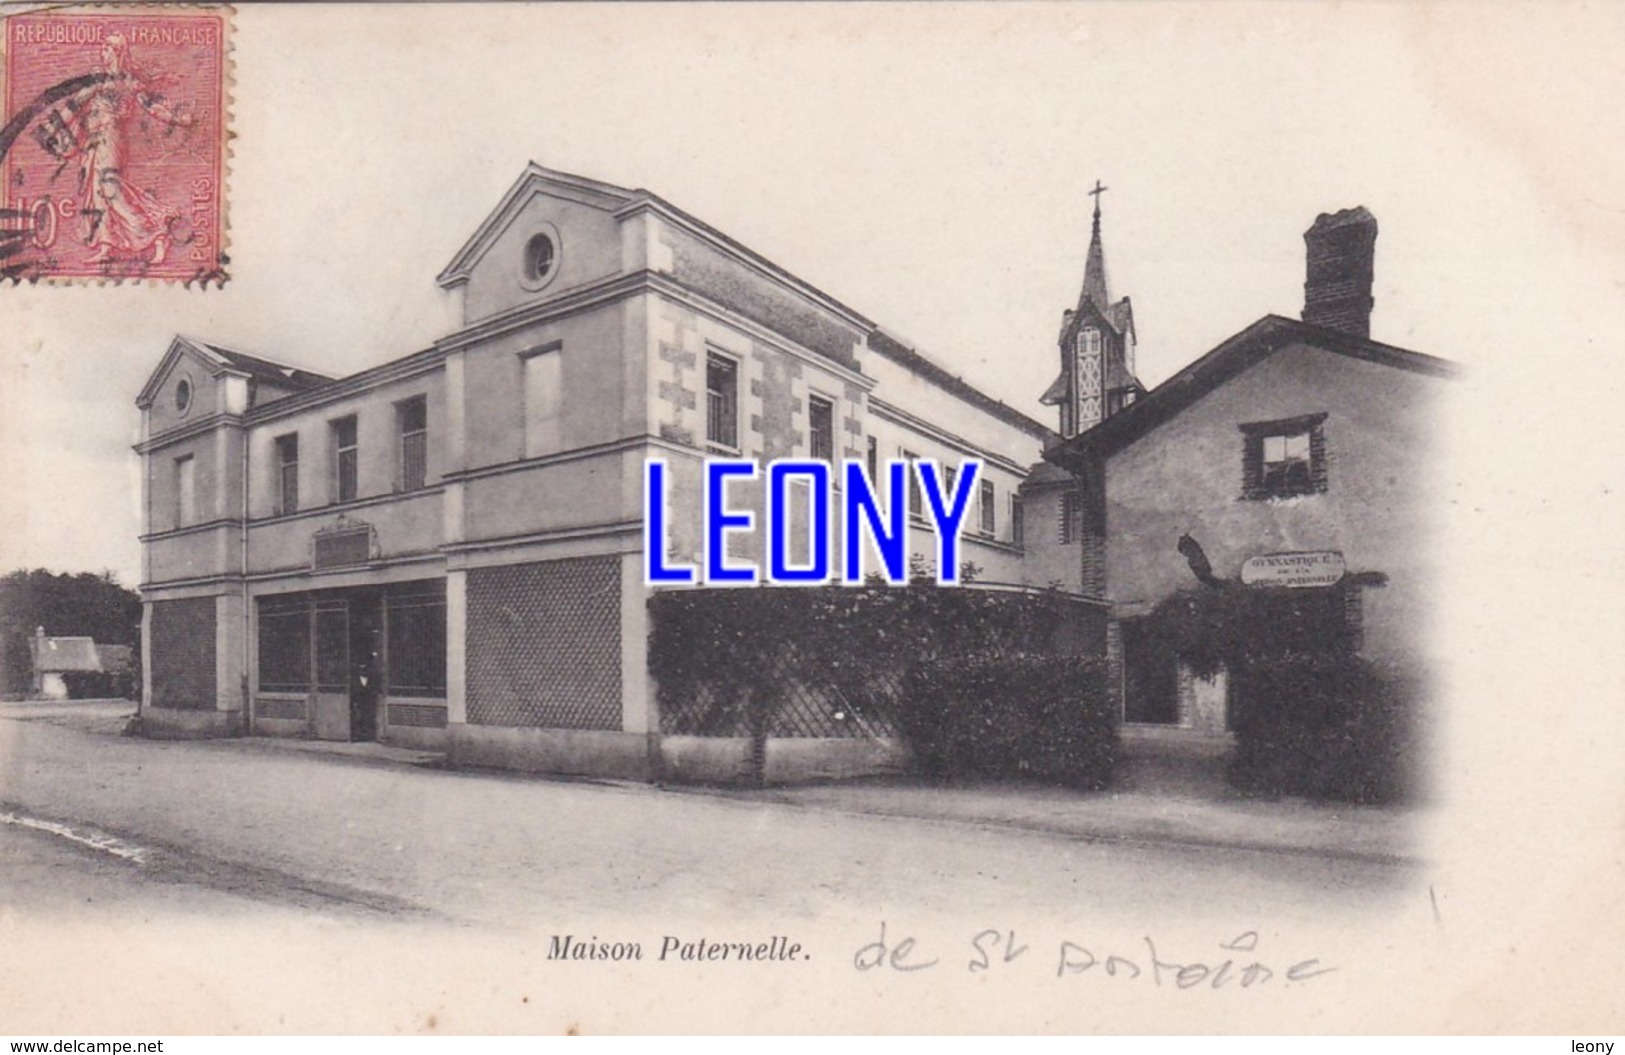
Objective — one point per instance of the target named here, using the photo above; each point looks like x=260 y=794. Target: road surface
x=239 y=886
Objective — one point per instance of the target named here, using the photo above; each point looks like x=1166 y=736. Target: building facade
x=446 y=551
x=1296 y=453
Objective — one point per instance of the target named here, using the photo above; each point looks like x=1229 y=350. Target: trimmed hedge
x=96 y=684
x=1310 y=716
x=735 y=663
x=1325 y=725
x=1041 y=717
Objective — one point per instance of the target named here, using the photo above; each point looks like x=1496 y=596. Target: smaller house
x=1298 y=455
x=53 y=657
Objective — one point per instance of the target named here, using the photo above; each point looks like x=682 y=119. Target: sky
x=925 y=164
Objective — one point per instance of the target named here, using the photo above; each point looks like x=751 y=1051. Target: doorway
x=366 y=662
x=348 y=636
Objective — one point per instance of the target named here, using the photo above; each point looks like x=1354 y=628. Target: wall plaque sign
x=1323 y=568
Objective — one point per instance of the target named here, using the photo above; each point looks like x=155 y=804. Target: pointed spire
x=1094 y=268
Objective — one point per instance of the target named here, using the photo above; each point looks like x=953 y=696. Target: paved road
x=280 y=863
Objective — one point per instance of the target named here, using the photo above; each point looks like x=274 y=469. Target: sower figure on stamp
x=117 y=217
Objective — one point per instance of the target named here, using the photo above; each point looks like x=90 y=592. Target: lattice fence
x=790 y=703
x=832 y=663
x=544 y=644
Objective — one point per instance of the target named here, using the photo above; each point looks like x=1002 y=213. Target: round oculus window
x=540 y=257
x=183 y=396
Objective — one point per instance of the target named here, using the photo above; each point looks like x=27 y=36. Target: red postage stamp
x=114 y=146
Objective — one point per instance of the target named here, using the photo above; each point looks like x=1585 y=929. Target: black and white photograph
x=947 y=518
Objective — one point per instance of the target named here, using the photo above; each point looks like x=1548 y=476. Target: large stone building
x=447 y=550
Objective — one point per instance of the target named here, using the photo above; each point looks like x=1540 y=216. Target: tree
x=82 y=605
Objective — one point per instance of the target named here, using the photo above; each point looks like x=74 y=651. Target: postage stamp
x=113 y=152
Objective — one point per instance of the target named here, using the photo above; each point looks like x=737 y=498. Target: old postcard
x=952 y=518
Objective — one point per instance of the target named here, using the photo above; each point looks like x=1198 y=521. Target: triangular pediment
x=180 y=349
x=1088 y=312
x=534 y=181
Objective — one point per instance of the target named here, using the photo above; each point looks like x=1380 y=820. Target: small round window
x=183 y=396
x=540 y=255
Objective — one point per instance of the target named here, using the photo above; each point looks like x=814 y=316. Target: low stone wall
x=788 y=760
x=583 y=752
x=802 y=760
x=166 y=723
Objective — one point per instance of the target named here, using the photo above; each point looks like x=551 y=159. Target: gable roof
x=890 y=346
x=116 y=659
x=220 y=361
x=280 y=374
x=1251 y=346
x=621 y=201
x=531 y=182
x=536 y=179
x=53 y=655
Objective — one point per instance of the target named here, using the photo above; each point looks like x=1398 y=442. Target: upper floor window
x=344 y=459
x=1071 y=517
x=873 y=460
x=183 y=396
x=821 y=428
x=916 y=500
x=287 y=473
x=412 y=417
x=1018 y=521
x=544 y=401
x=990 y=508
x=1284 y=458
x=185 y=490
x=1089 y=342
x=721 y=402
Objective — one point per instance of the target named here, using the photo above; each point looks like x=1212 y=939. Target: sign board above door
x=1294 y=569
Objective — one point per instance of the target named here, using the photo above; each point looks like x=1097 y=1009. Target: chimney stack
x=1337 y=290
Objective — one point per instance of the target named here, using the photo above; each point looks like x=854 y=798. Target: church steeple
x=1097 y=341
x=1094 y=267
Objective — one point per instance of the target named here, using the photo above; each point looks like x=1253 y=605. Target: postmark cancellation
x=114 y=149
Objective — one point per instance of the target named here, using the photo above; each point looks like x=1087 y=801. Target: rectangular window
x=416 y=613
x=344 y=459
x=721 y=402
x=1071 y=517
x=413 y=419
x=916 y=500
x=874 y=462
x=990 y=508
x=821 y=428
x=284 y=639
x=287 y=473
x=185 y=491
x=1018 y=522
x=1284 y=458
x=544 y=401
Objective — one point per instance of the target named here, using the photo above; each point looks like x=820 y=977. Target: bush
x=1041 y=717
x=96 y=684
x=1324 y=725
x=731 y=662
